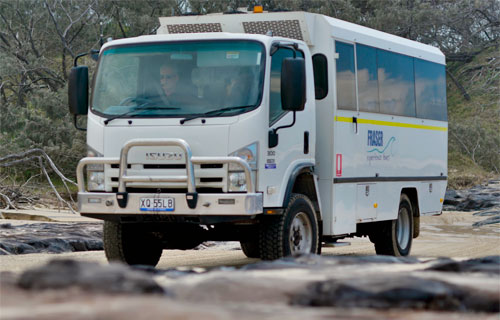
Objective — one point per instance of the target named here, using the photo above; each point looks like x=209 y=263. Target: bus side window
x=396 y=81
x=366 y=58
x=430 y=90
x=346 y=85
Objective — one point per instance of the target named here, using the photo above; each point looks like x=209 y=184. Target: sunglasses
x=168 y=76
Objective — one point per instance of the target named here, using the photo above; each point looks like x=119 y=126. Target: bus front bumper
x=233 y=204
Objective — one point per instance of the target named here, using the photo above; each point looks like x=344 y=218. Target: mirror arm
x=273 y=134
x=75 y=61
x=284 y=45
x=287 y=126
x=76 y=124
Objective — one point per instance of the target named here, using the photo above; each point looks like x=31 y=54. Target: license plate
x=157 y=204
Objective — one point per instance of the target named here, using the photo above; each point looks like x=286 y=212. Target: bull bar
x=122 y=202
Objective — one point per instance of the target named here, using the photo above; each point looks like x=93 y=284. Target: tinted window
x=275 y=110
x=366 y=58
x=396 y=84
x=320 y=68
x=346 y=86
x=430 y=90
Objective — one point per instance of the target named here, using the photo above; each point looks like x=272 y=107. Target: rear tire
x=250 y=248
x=394 y=238
x=294 y=232
x=126 y=244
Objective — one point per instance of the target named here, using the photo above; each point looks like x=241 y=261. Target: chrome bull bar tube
x=156 y=143
x=90 y=160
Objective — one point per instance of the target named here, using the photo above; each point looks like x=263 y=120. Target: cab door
x=295 y=144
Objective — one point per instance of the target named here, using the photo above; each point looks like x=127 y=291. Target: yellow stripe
x=391 y=124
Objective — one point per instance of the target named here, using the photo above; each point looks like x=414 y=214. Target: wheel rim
x=403 y=228
x=301 y=234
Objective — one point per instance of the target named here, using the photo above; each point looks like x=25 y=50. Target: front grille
x=164 y=166
x=209 y=176
x=211 y=166
x=210 y=179
x=117 y=166
x=173 y=190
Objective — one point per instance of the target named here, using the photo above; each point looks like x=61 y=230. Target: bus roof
x=309 y=27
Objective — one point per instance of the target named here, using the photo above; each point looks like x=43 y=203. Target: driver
x=171 y=90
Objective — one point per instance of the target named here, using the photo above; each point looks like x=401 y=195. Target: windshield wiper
x=138 y=108
x=212 y=113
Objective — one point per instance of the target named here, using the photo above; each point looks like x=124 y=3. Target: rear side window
x=320 y=68
x=430 y=90
x=346 y=84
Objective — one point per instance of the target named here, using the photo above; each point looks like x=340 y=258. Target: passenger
x=238 y=89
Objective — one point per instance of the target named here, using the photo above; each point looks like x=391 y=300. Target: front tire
x=294 y=232
x=129 y=244
x=394 y=238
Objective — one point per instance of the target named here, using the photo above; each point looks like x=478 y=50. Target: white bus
x=284 y=131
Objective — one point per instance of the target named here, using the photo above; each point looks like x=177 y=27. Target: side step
x=336 y=244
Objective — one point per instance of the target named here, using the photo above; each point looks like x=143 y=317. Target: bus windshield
x=179 y=79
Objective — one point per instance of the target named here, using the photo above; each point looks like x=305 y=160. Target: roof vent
x=194 y=28
x=284 y=28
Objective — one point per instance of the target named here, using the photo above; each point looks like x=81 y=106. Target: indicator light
x=258 y=9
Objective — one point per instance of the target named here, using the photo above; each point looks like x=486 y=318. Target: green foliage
x=474 y=135
x=44 y=123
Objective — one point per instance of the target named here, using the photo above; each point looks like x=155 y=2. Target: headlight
x=95 y=172
x=95 y=180
x=236 y=178
x=237 y=181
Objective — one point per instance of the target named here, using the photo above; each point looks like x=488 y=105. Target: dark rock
x=490 y=220
x=4 y=252
x=51 y=237
x=452 y=197
x=488 y=212
x=476 y=198
x=396 y=292
x=16 y=247
x=89 y=276
x=477 y=202
x=490 y=264
x=50 y=245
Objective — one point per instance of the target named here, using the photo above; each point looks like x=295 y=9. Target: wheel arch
x=302 y=181
x=412 y=194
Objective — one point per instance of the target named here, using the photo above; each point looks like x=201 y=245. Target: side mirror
x=293 y=84
x=78 y=90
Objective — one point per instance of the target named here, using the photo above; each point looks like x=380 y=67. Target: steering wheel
x=138 y=100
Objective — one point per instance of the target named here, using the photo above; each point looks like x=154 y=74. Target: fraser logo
x=375 y=138
x=375 y=146
x=163 y=156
